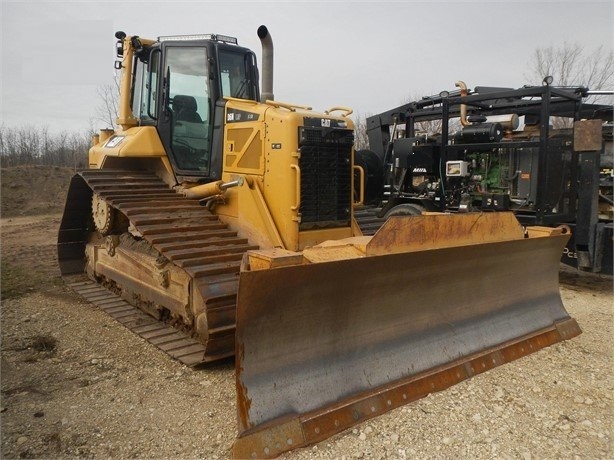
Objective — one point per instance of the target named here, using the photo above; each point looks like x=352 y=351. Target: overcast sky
x=371 y=56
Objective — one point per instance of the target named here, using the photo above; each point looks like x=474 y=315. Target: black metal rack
x=568 y=160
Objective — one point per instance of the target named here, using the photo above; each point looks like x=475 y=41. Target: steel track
x=180 y=229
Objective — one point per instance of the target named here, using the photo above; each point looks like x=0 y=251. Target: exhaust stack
x=463 y=108
x=267 y=64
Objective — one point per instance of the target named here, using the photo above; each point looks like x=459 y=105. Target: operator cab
x=178 y=85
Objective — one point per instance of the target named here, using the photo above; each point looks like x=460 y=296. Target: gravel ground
x=77 y=384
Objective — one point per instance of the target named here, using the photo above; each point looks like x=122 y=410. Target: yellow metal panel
x=245 y=210
x=139 y=145
x=265 y=259
x=139 y=142
x=261 y=143
x=230 y=160
x=238 y=136
x=313 y=237
x=252 y=156
x=243 y=149
x=142 y=142
x=281 y=172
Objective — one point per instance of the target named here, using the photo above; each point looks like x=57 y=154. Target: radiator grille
x=325 y=164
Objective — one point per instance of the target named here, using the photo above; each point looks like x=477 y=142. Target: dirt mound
x=33 y=190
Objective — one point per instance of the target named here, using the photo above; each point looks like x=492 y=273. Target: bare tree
x=28 y=145
x=570 y=64
x=361 y=141
x=430 y=127
x=107 y=110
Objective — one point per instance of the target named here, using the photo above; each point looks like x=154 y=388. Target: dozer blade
x=427 y=302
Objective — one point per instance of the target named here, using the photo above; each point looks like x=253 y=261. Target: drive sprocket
x=103 y=214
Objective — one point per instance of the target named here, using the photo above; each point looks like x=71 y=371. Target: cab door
x=185 y=122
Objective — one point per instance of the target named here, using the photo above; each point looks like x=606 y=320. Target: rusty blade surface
x=316 y=340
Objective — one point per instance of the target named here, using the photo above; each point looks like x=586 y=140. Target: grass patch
x=46 y=343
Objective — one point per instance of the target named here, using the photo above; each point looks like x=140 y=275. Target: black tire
x=405 y=209
x=374 y=174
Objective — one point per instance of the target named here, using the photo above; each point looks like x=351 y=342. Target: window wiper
x=240 y=92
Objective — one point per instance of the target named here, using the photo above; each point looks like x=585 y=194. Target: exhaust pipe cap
x=262 y=32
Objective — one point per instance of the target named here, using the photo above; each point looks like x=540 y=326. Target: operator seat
x=189 y=134
x=184 y=108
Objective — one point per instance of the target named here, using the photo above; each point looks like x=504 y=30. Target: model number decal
x=235 y=116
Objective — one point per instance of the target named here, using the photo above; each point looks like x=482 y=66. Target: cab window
x=144 y=87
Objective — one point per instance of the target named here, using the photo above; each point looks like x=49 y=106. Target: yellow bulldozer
x=218 y=222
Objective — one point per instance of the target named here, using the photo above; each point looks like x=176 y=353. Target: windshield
x=235 y=76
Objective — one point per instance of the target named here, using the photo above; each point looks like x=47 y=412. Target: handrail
x=298 y=187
